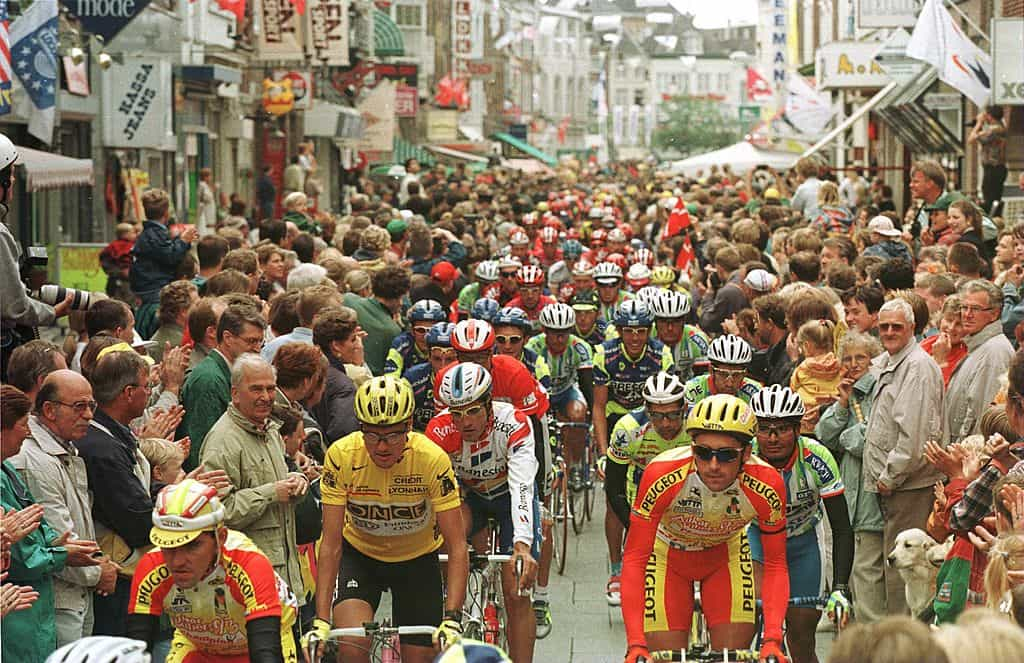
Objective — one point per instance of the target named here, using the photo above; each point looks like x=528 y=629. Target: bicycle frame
x=380 y=634
x=484 y=590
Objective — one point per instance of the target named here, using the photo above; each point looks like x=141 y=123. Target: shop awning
x=403 y=149
x=387 y=38
x=869 y=105
x=525 y=147
x=471 y=133
x=528 y=166
x=212 y=73
x=456 y=154
x=46 y=170
x=918 y=128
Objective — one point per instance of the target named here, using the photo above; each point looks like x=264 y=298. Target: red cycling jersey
x=534 y=313
x=676 y=510
x=513 y=383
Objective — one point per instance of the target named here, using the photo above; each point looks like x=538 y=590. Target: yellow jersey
x=390 y=514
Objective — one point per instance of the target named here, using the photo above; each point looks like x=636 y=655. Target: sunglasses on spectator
x=723 y=456
x=893 y=326
x=471 y=411
x=508 y=339
x=80 y=407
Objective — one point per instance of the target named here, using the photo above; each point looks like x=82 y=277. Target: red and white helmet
x=473 y=336
x=529 y=219
x=549 y=235
x=638 y=276
x=617 y=235
x=598 y=237
x=617 y=259
x=519 y=238
x=530 y=275
x=644 y=257
x=583 y=267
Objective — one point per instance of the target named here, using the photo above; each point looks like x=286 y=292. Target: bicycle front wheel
x=560 y=526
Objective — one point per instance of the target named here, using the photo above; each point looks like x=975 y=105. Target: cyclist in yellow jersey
x=220 y=592
x=389 y=499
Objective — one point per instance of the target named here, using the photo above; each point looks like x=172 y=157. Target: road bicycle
x=582 y=496
x=383 y=647
x=702 y=656
x=560 y=513
x=484 y=616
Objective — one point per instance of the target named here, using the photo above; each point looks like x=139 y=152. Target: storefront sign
x=1007 y=63
x=302 y=87
x=467 y=35
x=281 y=35
x=357 y=75
x=105 y=18
x=442 y=125
x=887 y=13
x=776 y=42
x=407 y=101
x=136 y=96
x=849 y=64
x=378 y=111
x=943 y=100
x=328 y=30
x=278 y=98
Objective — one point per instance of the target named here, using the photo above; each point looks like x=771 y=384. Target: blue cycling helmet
x=485 y=308
x=427 y=310
x=440 y=335
x=513 y=316
x=572 y=249
x=633 y=313
x=472 y=651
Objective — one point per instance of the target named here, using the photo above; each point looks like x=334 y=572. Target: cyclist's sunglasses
x=501 y=338
x=723 y=456
x=471 y=411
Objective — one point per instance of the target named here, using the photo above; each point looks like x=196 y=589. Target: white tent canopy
x=741 y=157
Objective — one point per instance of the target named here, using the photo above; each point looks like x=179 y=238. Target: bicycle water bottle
x=390 y=652
x=490 y=623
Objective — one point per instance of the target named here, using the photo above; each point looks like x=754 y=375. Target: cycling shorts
x=562 y=400
x=500 y=509
x=803 y=555
x=183 y=651
x=726 y=575
x=417 y=597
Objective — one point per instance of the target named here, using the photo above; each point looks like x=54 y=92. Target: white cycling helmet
x=487 y=270
x=607 y=271
x=648 y=295
x=464 y=383
x=583 y=267
x=670 y=304
x=730 y=349
x=8 y=152
x=777 y=402
x=616 y=235
x=101 y=649
x=663 y=388
x=638 y=273
x=557 y=316
x=508 y=262
x=473 y=336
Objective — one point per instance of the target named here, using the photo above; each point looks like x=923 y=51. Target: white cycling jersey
x=502 y=463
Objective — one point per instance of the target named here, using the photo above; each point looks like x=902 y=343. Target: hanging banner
x=328 y=31
x=136 y=96
x=467 y=35
x=105 y=18
x=378 y=111
x=280 y=35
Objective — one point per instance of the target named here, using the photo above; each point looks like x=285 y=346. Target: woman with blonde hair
x=1005 y=570
x=981 y=635
x=832 y=218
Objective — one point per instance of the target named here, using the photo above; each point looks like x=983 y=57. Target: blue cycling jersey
x=625 y=376
x=403 y=355
x=421 y=377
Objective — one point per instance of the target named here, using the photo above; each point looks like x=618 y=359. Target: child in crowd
x=817 y=377
x=947 y=347
x=165 y=461
x=116 y=260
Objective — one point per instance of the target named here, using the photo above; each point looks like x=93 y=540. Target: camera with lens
x=33 y=274
x=55 y=294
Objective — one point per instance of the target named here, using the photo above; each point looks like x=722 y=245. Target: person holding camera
x=155 y=257
x=19 y=313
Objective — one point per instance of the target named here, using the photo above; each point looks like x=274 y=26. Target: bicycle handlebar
x=478 y=557
x=367 y=630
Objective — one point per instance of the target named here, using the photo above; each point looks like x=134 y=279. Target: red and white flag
x=5 y=61
x=678 y=221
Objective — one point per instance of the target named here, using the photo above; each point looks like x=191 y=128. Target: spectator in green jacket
x=378 y=313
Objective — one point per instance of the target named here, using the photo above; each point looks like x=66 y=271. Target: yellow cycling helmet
x=722 y=413
x=663 y=275
x=384 y=400
x=183 y=511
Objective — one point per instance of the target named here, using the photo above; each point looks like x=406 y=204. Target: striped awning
x=403 y=149
x=387 y=38
x=46 y=170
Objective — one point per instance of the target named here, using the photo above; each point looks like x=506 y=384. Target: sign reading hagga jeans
x=136 y=98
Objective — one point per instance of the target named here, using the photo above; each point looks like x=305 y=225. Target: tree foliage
x=693 y=125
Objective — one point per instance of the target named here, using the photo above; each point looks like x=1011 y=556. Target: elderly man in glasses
x=976 y=380
x=907 y=413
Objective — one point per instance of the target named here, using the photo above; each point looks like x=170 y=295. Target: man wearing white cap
x=885 y=240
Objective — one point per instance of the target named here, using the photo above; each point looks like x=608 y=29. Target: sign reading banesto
x=105 y=18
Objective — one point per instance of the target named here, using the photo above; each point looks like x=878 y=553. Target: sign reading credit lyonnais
x=136 y=97
x=105 y=17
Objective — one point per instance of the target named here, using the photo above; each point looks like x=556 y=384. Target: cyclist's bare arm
x=329 y=559
x=453 y=530
x=600 y=418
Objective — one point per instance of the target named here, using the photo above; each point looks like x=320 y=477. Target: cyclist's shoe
x=542 y=613
x=613 y=591
x=576 y=478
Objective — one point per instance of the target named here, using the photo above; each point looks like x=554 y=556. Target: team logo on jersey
x=153 y=579
x=660 y=486
x=733 y=508
x=180 y=603
x=447 y=483
x=220 y=605
x=767 y=492
x=822 y=469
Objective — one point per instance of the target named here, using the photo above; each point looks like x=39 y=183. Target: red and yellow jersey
x=213 y=614
x=513 y=383
x=390 y=514
x=690 y=516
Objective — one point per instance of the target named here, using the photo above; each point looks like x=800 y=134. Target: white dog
x=917 y=557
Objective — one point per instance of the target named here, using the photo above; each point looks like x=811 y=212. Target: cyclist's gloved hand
x=637 y=653
x=448 y=632
x=771 y=652
x=841 y=598
x=600 y=467
x=320 y=631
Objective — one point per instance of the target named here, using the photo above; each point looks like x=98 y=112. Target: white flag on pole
x=939 y=41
